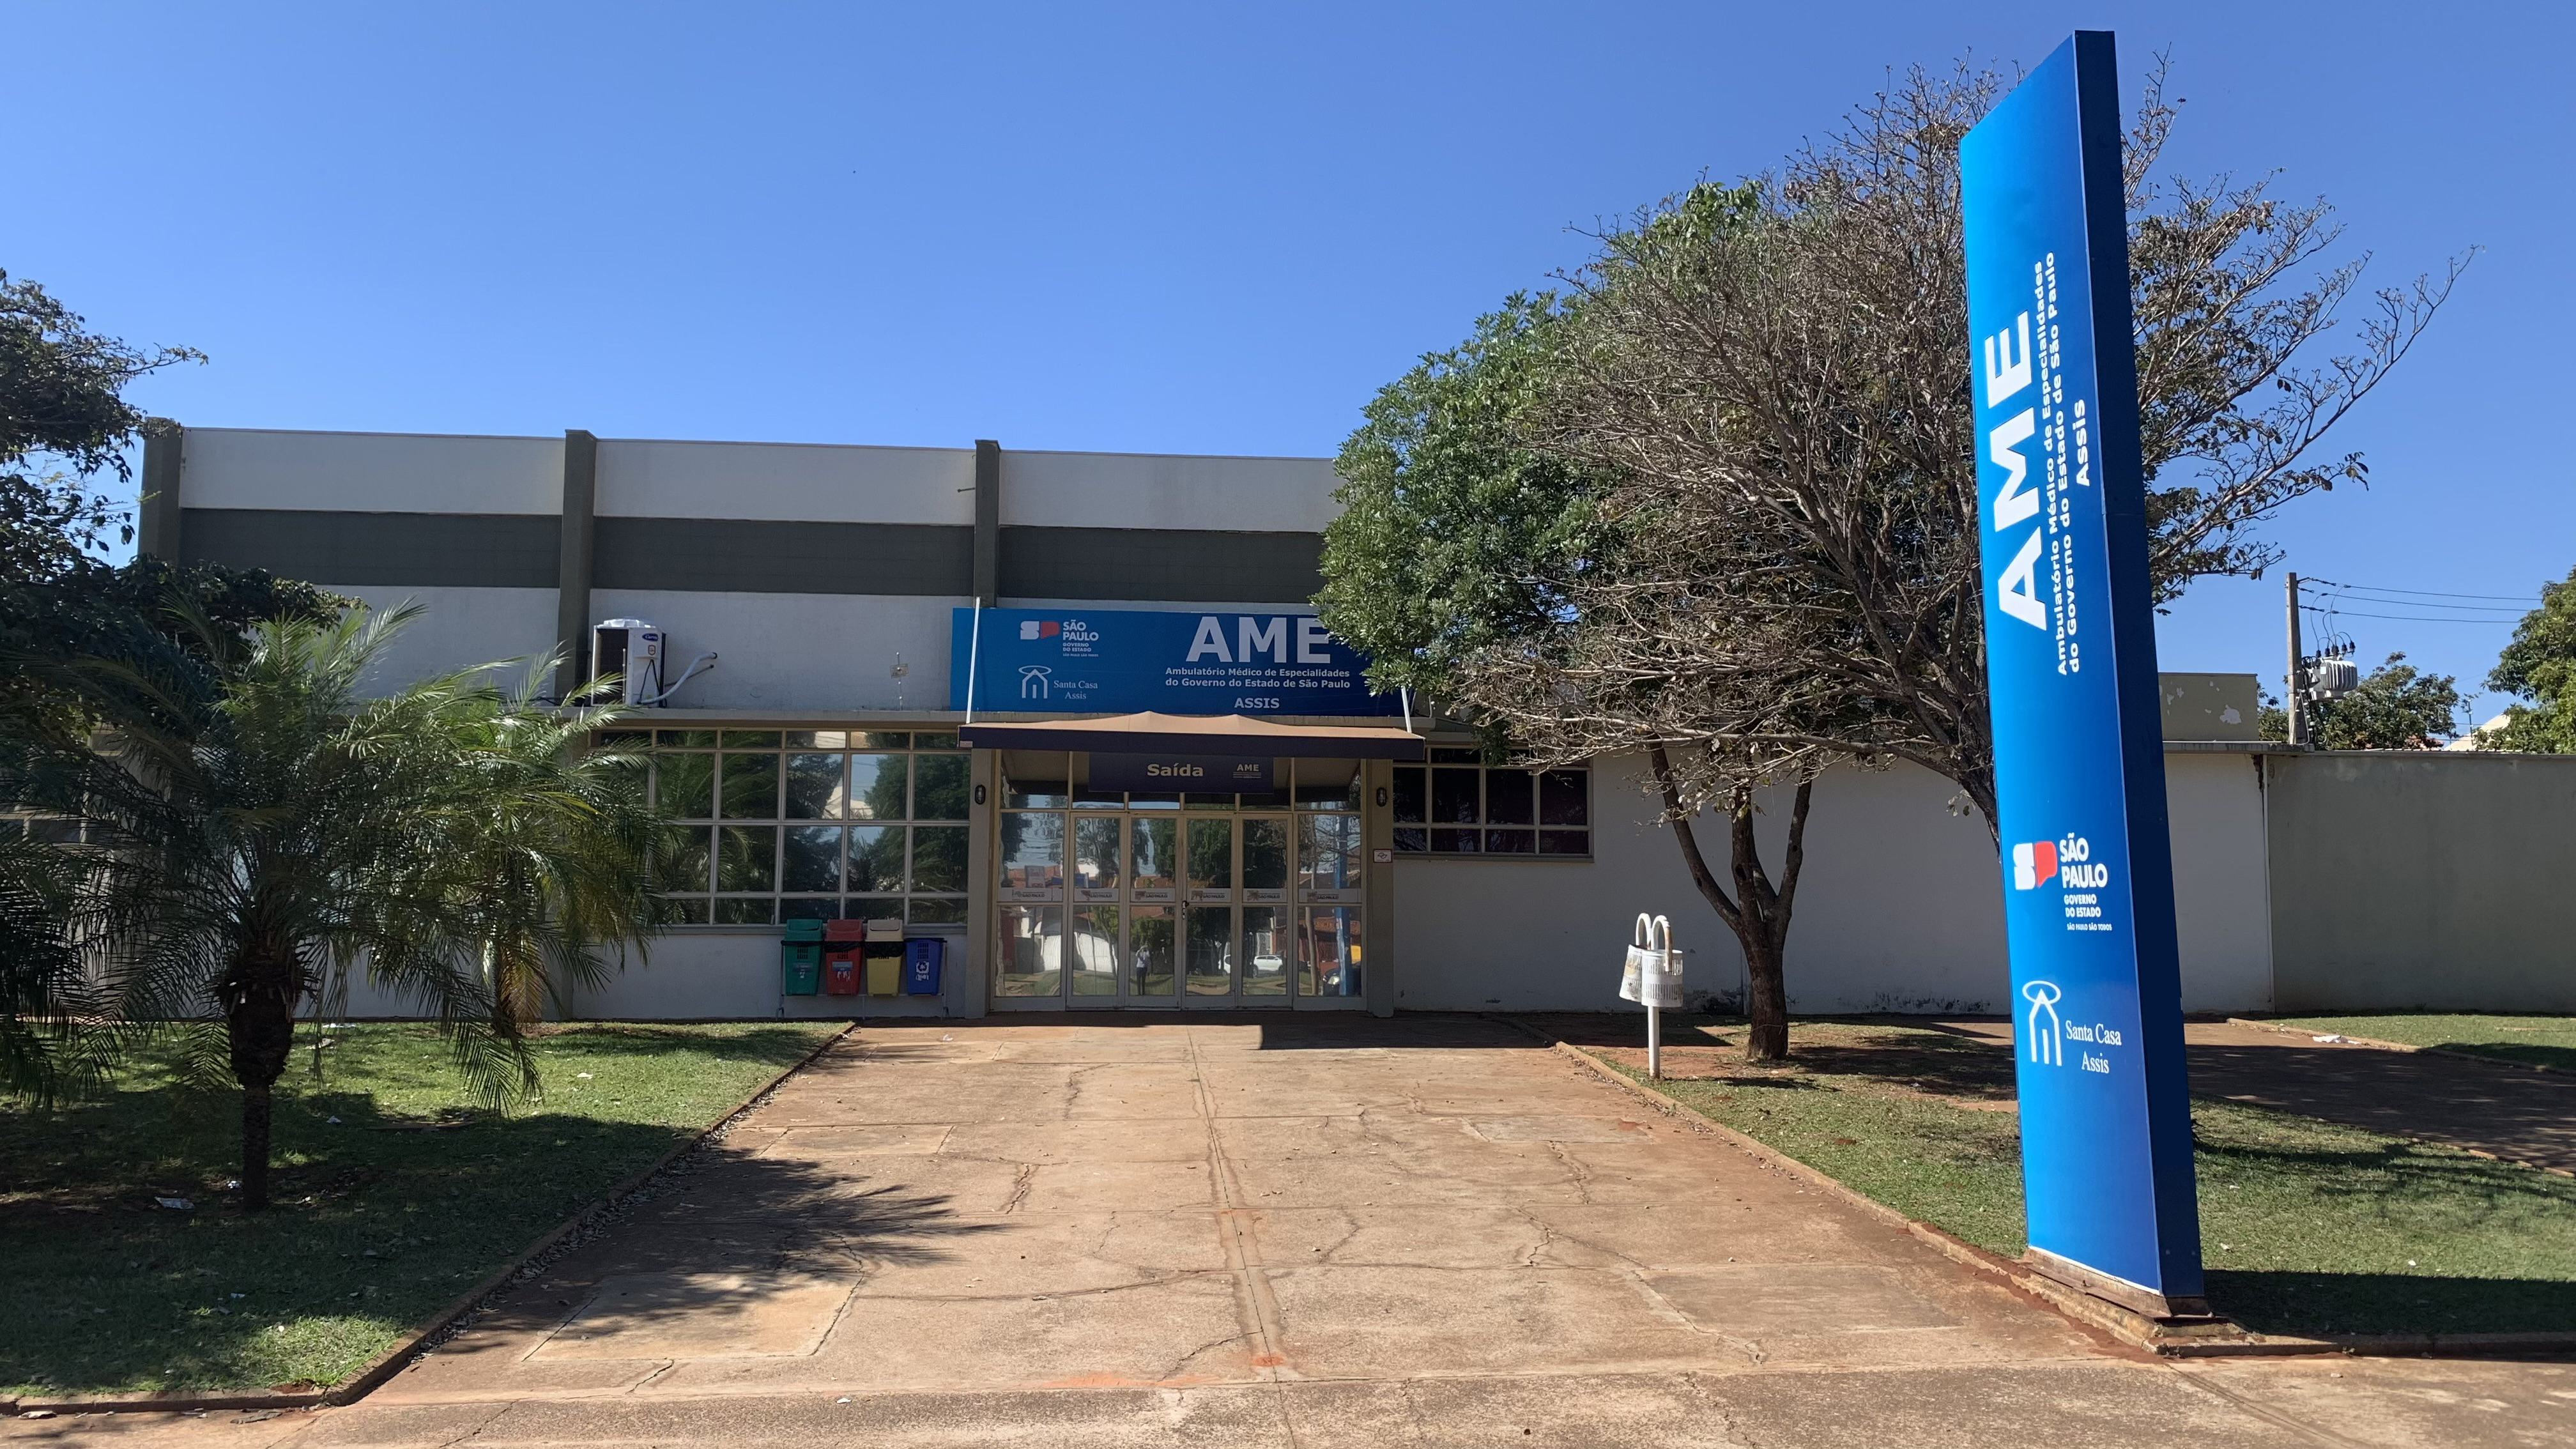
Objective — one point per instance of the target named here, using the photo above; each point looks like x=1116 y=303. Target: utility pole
x=2297 y=698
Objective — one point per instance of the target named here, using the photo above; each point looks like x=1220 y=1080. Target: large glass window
x=815 y=824
x=1456 y=806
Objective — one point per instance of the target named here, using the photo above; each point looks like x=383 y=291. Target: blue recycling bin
x=921 y=959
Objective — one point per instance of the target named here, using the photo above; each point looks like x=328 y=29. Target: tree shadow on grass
x=2557 y=1058
x=1944 y=1066
x=2288 y=1302
x=375 y=1232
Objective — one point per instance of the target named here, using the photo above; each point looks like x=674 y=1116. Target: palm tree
x=257 y=830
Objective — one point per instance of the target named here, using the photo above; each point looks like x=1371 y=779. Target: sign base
x=2115 y=1290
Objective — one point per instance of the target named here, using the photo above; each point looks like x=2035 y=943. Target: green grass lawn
x=2548 y=1041
x=392 y=1198
x=2307 y=1226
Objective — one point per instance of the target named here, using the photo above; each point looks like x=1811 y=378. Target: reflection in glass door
x=1208 y=942
x=1199 y=901
x=1151 y=956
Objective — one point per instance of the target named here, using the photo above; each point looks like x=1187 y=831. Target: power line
x=2332 y=599
x=2410 y=618
x=2429 y=593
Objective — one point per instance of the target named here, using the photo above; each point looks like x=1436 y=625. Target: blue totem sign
x=2071 y=670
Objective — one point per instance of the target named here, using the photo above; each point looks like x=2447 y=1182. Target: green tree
x=2394 y=707
x=1754 y=400
x=62 y=404
x=1455 y=534
x=2540 y=665
x=252 y=830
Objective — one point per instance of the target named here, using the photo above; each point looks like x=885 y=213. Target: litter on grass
x=178 y=1204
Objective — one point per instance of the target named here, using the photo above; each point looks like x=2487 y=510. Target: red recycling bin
x=840 y=973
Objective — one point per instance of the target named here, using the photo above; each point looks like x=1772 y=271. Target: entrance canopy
x=1225 y=734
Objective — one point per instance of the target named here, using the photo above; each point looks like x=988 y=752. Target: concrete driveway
x=1313 y=1232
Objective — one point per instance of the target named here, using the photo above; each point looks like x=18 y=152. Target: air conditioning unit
x=634 y=651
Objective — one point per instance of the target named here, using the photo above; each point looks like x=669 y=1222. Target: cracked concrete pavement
x=1307 y=1231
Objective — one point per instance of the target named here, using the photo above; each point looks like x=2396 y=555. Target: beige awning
x=1196 y=734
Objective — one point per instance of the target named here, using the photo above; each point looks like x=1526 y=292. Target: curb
x=386 y=1364
x=2399 y=1046
x=2218 y=1339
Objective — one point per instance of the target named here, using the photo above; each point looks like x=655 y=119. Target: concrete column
x=572 y=568
x=988 y=522
x=157 y=522
x=969 y=991
x=1377 y=929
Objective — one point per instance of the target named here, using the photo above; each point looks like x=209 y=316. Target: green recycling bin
x=801 y=963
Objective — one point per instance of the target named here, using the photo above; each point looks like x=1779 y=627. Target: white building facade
x=838 y=764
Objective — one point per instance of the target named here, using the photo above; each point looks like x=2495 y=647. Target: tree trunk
x=259 y=1027
x=1757 y=912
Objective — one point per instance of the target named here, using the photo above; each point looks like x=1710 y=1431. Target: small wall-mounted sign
x=1219 y=774
x=1382 y=856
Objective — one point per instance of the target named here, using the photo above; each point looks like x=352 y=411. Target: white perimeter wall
x=1899 y=908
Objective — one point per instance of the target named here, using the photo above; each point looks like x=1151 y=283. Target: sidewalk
x=1430 y=1231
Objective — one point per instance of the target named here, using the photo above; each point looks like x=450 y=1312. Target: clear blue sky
x=1196 y=228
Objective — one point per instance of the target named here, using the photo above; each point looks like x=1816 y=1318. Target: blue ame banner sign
x=1119 y=661
x=2071 y=670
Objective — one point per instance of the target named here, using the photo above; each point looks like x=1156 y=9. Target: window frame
x=710 y=908
x=1429 y=831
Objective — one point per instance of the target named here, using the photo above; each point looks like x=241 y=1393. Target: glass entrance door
x=1181 y=902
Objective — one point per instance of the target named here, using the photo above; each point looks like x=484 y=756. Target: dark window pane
x=809 y=908
x=685 y=785
x=623 y=739
x=813 y=858
x=876 y=858
x=1453 y=797
x=688 y=911
x=940 y=792
x=1411 y=799
x=1509 y=842
x=1457 y=842
x=884 y=740
x=1412 y=840
x=689 y=739
x=1509 y=798
x=927 y=741
x=930 y=911
x=741 y=911
x=1457 y=757
x=747 y=857
x=750 y=790
x=751 y=739
x=877 y=786
x=813 y=787
x=939 y=857
x=1565 y=797
x=1565 y=842
x=874 y=908
x=818 y=739
x=680 y=865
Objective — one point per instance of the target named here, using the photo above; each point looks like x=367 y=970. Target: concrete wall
x=2423 y=878
x=790 y=652
x=370 y=472
x=1146 y=490
x=793 y=482
x=1900 y=908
